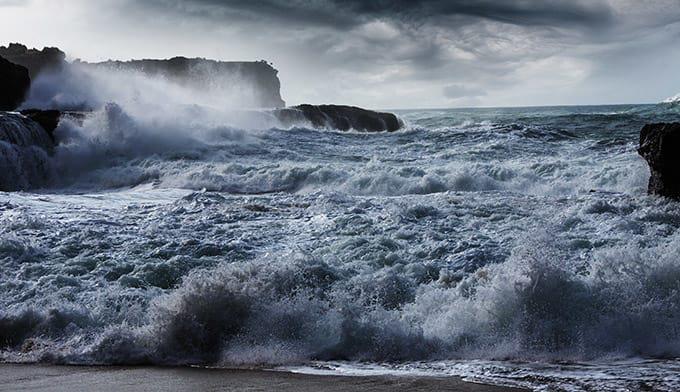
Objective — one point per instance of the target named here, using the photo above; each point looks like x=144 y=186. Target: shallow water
x=512 y=246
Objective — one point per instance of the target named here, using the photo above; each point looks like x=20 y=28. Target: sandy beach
x=89 y=378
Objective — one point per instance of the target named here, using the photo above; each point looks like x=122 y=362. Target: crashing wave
x=672 y=100
x=533 y=306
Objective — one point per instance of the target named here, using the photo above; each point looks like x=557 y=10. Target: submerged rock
x=343 y=118
x=660 y=146
x=14 y=84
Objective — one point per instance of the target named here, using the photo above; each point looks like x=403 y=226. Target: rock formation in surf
x=257 y=79
x=47 y=119
x=659 y=145
x=24 y=153
x=343 y=118
x=14 y=84
x=36 y=61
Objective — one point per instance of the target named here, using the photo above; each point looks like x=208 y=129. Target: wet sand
x=124 y=379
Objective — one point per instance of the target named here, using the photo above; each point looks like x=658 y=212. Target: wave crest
x=537 y=305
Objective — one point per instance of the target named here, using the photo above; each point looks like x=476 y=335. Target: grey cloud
x=8 y=3
x=456 y=91
x=348 y=13
x=392 y=53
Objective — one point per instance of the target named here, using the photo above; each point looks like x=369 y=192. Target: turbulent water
x=511 y=246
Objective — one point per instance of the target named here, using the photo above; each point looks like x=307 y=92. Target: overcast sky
x=389 y=54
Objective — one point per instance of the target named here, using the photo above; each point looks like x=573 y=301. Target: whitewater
x=509 y=246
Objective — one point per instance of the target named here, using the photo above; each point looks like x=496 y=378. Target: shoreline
x=60 y=378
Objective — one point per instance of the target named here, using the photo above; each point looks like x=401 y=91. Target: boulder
x=339 y=117
x=660 y=147
x=14 y=85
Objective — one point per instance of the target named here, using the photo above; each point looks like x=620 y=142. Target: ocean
x=506 y=246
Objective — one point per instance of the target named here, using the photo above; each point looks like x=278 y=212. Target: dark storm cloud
x=348 y=13
x=359 y=48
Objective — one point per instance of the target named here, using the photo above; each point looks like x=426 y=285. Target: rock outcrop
x=36 y=61
x=256 y=80
x=660 y=147
x=24 y=153
x=47 y=119
x=22 y=131
x=343 y=118
x=14 y=84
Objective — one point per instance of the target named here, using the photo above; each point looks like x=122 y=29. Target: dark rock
x=48 y=119
x=36 y=61
x=256 y=78
x=660 y=146
x=343 y=118
x=14 y=85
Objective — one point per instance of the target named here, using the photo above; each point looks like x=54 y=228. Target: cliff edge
x=256 y=79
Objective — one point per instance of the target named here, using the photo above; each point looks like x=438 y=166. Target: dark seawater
x=510 y=246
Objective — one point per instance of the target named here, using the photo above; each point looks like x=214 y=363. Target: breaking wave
x=187 y=148
x=673 y=99
x=535 y=306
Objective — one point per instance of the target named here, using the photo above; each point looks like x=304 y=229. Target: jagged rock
x=343 y=118
x=660 y=147
x=14 y=84
x=36 y=61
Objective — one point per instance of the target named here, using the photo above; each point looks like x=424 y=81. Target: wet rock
x=48 y=119
x=660 y=146
x=14 y=85
x=339 y=117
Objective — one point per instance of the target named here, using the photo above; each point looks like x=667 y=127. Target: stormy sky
x=389 y=54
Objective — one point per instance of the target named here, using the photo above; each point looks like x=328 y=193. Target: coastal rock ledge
x=340 y=117
x=660 y=147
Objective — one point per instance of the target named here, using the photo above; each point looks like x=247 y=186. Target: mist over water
x=172 y=232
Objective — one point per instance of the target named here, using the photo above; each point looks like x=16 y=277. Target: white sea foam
x=673 y=99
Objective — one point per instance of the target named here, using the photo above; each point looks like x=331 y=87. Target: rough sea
x=507 y=246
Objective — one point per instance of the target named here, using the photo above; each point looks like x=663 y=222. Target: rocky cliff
x=255 y=84
x=36 y=61
x=14 y=84
x=256 y=80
